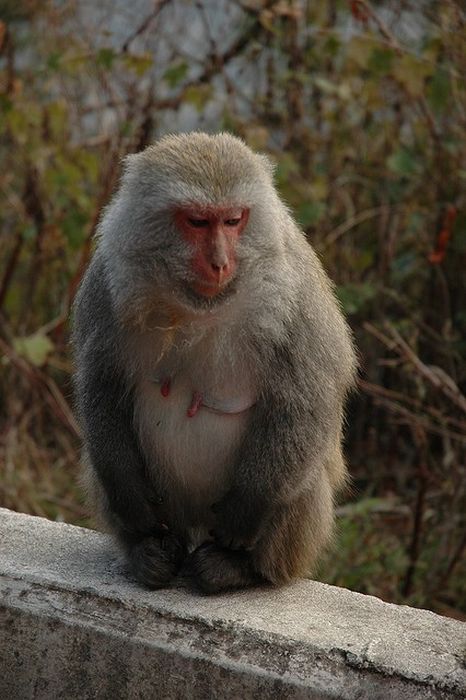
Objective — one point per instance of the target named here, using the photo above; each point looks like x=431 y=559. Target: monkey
x=213 y=364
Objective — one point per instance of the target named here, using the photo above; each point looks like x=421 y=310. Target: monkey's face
x=195 y=223
x=212 y=234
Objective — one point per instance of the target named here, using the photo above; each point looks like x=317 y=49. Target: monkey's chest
x=190 y=430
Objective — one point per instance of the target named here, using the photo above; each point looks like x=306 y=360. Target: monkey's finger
x=237 y=543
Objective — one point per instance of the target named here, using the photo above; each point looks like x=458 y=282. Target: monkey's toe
x=215 y=569
x=156 y=560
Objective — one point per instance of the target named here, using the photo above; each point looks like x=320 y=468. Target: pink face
x=213 y=232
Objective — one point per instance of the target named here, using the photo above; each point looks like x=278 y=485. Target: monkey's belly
x=192 y=443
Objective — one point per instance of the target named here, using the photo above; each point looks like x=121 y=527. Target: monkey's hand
x=140 y=512
x=240 y=520
x=155 y=560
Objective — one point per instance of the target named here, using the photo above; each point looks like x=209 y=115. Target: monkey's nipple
x=196 y=403
x=165 y=388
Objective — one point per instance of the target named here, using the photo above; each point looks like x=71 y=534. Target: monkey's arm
x=105 y=407
x=111 y=444
x=293 y=431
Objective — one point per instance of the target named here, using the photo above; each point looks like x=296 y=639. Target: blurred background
x=363 y=108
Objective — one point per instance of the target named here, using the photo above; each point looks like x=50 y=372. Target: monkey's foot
x=215 y=569
x=156 y=560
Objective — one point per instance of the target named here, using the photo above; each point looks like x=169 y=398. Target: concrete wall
x=74 y=625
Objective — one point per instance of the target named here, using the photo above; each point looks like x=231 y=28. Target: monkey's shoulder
x=92 y=308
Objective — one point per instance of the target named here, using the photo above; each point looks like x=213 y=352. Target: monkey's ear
x=131 y=167
x=267 y=163
x=130 y=162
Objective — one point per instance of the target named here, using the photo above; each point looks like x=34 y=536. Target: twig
x=10 y=267
x=383 y=29
x=434 y=375
x=395 y=396
x=109 y=180
x=52 y=393
x=145 y=24
x=415 y=546
x=415 y=419
x=350 y=223
x=439 y=379
x=456 y=558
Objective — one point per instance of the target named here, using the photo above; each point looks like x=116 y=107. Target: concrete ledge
x=74 y=625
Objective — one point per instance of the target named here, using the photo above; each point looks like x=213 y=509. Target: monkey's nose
x=220 y=270
x=219 y=266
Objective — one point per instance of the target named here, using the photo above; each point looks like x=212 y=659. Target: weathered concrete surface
x=74 y=625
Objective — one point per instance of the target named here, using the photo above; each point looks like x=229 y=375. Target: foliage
x=363 y=109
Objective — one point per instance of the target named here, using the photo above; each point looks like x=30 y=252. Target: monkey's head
x=191 y=219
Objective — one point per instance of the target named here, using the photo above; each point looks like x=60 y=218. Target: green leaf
x=342 y=90
x=126 y=128
x=367 y=505
x=332 y=46
x=57 y=113
x=35 y=348
x=438 y=92
x=29 y=232
x=402 y=162
x=89 y=163
x=176 y=73
x=6 y=103
x=65 y=176
x=458 y=242
x=198 y=95
x=139 y=63
x=411 y=73
x=286 y=166
x=354 y=297
x=360 y=50
x=404 y=265
x=363 y=260
x=380 y=61
x=415 y=222
x=16 y=123
x=73 y=226
x=105 y=57
x=309 y=213
x=54 y=60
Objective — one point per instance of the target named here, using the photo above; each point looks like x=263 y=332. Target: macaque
x=213 y=363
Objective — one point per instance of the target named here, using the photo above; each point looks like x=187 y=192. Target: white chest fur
x=192 y=404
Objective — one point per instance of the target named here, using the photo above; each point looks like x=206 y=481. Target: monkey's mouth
x=203 y=295
x=209 y=289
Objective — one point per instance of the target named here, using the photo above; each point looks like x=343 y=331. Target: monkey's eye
x=232 y=222
x=199 y=223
